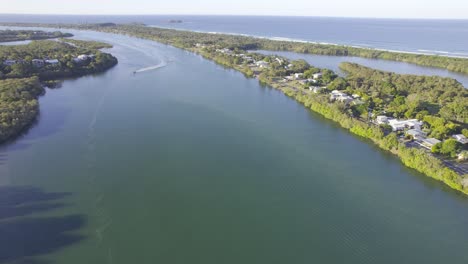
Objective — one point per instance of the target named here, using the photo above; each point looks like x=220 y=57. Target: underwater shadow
x=24 y=237
x=22 y=201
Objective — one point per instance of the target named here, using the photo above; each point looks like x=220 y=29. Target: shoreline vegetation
x=26 y=69
x=440 y=103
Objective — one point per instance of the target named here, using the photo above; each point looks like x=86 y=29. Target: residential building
x=416 y=134
x=400 y=125
x=340 y=96
x=38 y=63
x=298 y=75
x=317 y=75
x=9 y=62
x=52 y=62
x=429 y=142
x=262 y=64
x=316 y=89
x=381 y=120
x=461 y=138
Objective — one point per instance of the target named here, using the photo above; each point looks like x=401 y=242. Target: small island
x=175 y=21
x=26 y=69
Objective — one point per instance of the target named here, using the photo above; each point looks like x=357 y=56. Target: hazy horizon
x=385 y=9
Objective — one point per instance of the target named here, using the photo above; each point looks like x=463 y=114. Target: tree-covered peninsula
x=51 y=60
x=25 y=69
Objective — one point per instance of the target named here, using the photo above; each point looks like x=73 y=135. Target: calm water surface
x=192 y=163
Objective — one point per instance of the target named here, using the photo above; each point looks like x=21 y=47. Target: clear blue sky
x=339 y=8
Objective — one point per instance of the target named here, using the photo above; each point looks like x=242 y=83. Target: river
x=194 y=163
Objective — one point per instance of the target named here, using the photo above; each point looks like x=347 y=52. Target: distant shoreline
x=278 y=38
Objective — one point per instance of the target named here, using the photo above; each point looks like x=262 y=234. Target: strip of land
x=26 y=69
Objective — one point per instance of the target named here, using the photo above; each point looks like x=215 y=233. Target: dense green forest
x=67 y=66
x=441 y=102
x=18 y=35
x=18 y=105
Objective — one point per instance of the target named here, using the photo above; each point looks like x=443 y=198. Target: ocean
x=441 y=37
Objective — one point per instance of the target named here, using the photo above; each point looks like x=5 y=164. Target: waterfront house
x=340 y=96
x=317 y=75
x=38 y=63
x=461 y=138
x=52 y=62
x=262 y=64
x=83 y=57
x=280 y=61
x=400 y=125
x=225 y=51
x=381 y=120
x=298 y=75
x=429 y=142
x=416 y=134
x=9 y=62
x=316 y=89
x=248 y=59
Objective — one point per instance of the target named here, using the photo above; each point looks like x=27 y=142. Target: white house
x=9 y=62
x=83 y=57
x=340 y=96
x=280 y=61
x=416 y=134
x=316 y=89
x=225 y=51
x=52 y=62
x=429 y=142
x=262 y=64
x=399 y=125
x=461 y=138
x=317 y=75
x=298 y=75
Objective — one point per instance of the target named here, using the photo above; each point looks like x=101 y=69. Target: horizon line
x=233 y=15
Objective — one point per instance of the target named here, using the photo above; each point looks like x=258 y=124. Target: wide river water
x=193 y=163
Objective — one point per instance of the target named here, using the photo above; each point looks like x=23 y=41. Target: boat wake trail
x=155 y=67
